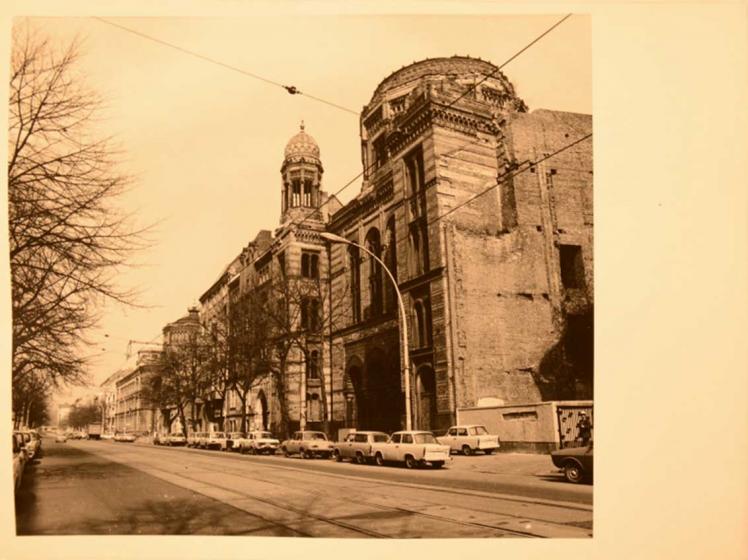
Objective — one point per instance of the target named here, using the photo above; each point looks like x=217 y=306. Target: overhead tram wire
x=510 y=59
x=466 y=92
x=293 y=90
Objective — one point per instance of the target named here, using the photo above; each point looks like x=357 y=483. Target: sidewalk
x=527 y=464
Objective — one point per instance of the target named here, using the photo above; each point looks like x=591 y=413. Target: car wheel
x=410 y=462
x=466 y=450
x=360 y=459
x=285 y=452
x=305 y=454
x=437 y=464
x=336 y=456
x=379 y=460
x=573 y=472
x=488 y=451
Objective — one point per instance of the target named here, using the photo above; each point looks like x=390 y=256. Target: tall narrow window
x=312 y=365
x=307 y=199
x=390 y=259
x=296 y=193
x=416 y=183
x=419 y=249
x=353 y=255
x=310 y=264
x=310 y=317
x=373 y=244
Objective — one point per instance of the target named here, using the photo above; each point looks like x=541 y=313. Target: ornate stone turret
x=302 y=175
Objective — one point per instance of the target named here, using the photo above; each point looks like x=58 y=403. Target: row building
x=479 y=208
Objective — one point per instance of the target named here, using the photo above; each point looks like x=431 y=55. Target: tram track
x=268 y=474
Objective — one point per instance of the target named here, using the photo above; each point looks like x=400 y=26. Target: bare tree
x=301 y=313
x=68 y=239
x=249 y=343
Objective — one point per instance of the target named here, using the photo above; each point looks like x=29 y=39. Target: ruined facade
x=498 y=293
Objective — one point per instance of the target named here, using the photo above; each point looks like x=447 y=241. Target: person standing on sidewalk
x=584 y=428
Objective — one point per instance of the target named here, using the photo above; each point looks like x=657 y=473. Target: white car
x=259 y=442
x=414 y=448
x=468 y=438
x=122 y=436
x=233 y=439
x=19 y=459
x=357 y=446
x=308 y=444
x=214 y=440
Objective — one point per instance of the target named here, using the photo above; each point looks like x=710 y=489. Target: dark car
x=575 y=461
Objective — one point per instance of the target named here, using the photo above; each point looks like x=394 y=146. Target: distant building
x=134 y=411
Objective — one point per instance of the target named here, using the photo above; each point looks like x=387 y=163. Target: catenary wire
x=508 y=176
x=466 y=92
x=293 y=90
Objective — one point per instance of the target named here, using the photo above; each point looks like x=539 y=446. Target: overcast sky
x=206 y=143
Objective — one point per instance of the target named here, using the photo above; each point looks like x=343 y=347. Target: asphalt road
x=102 y=487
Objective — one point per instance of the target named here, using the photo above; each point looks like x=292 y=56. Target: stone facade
x=498 y=291
x=490 y=289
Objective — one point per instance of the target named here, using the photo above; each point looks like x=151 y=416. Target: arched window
x=422 y=322
x=374 y=244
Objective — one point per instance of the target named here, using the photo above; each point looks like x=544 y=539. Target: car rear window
x=425 y=438
x=380 y=438
x=478 y=431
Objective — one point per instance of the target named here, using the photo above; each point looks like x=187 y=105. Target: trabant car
x=122 y=436
x=414 y=448
x=61 y=438
x=575 y=461
x=175 y=438
x=33 y=443
x=214 y=440
x=259 y=442
x=231 y=441
x=19 y=459
x=308 y=444
x=357 y=446
x=468 y=438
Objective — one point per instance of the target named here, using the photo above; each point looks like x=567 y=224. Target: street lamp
x=404 y=352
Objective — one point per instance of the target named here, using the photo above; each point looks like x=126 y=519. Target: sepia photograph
x=284 y=276
x=302 y=292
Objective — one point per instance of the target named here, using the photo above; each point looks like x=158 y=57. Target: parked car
x=414 y=448
x=469 y=438
x=232 y=441
x=308 y=444
x=575 y=461
x=159 y=439
x=61 y=438
x=259 y=442
x=107 y=436
x=192 y=439
x=30 y=444
x=19 y=459
x=122 y=436
x=357 y=446
x=175 y=438
x=214 y=440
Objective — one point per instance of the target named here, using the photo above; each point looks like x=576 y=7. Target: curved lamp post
x=404 y=352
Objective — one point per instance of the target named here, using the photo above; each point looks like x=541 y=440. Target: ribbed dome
x=302 y=145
